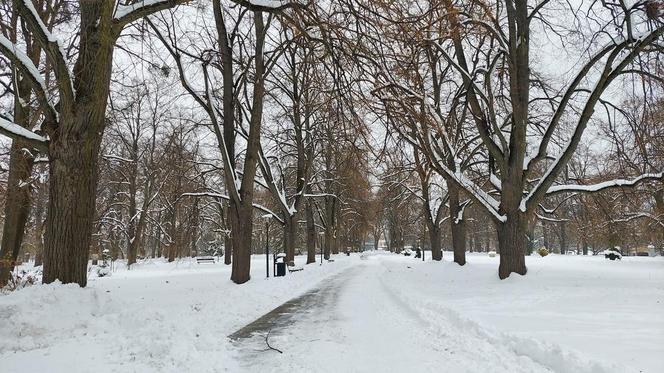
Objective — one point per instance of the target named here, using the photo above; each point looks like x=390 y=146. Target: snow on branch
x=640 y=215
x=226 y=197
x=30 y=71
x=14 y=131
x=51 y=45
x=618 y=183
x=270 y=5
x=127 y=13
x=549 y=219
x=609 y=73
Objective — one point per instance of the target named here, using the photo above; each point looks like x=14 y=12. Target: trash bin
x=280 y=264
x=281 y=269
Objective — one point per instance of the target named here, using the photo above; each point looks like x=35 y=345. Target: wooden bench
x=292 y=268
x=205 y=259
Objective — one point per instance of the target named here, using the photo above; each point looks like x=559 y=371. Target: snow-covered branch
x=270 y=5
x=226 y=197
x=125 y=14
x=29 y=71
x=618 y=183
x=14 y=131
x=51 y=46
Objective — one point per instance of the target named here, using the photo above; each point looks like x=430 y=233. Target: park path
x=356 y=322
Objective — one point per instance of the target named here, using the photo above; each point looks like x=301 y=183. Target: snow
x=124 y=10
x=381 y=312
x=15 y=129
x=396 y=313
x=606 y=184
x=580 y=311
x=51 y=38
x=25 y=61
x=156 y=317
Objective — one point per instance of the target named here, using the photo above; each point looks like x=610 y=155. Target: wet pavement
x=307 y=306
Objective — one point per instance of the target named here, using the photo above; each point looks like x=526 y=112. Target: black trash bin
x=280 y=265
x=281 y=269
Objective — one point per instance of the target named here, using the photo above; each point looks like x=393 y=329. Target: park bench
x=205 y=259
x=292 y=268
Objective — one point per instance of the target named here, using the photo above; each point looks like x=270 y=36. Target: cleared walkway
x=356 y=323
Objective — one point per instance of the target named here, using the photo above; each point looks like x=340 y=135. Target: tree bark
x=329 y=226
x=242 y=207
x=563 y=238
x=512 y=244
x=17 y=208
x=241 y=226
x=73 y=185
x=435 y=240
x=311 y=233
x=228 y=249
x=290 y=236
x=659 y=207
x=457 y=225
x=530 y=234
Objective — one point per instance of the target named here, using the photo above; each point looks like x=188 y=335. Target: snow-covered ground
x=388 y=313
x=610 y=312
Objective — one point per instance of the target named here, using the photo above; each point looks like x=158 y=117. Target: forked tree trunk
x=457 y=226
x=311 y=234
x=512 y=245
x=71 y=207
x=241 y=207
x=17 y=208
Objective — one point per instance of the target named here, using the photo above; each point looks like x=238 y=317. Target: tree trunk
x=40 y=201
x=435 y=240
x=71 y=207
x=17 y=208
x=530 y=234
x=290 y=236
x=228 y=249
x=512 y=245
x=659 y=207
x=563 y=238
x=311 y=234
x=545 y=236
x=328 y=243
x=136 y=239
x=584 y=244
x=457 y=226
x=242 y=205
x=132 y=247
x=241 y=225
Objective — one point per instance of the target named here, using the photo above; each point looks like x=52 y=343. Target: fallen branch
x=268 y=343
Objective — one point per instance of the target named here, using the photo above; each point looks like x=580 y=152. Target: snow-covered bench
x=205 y=259
x=292 y=268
